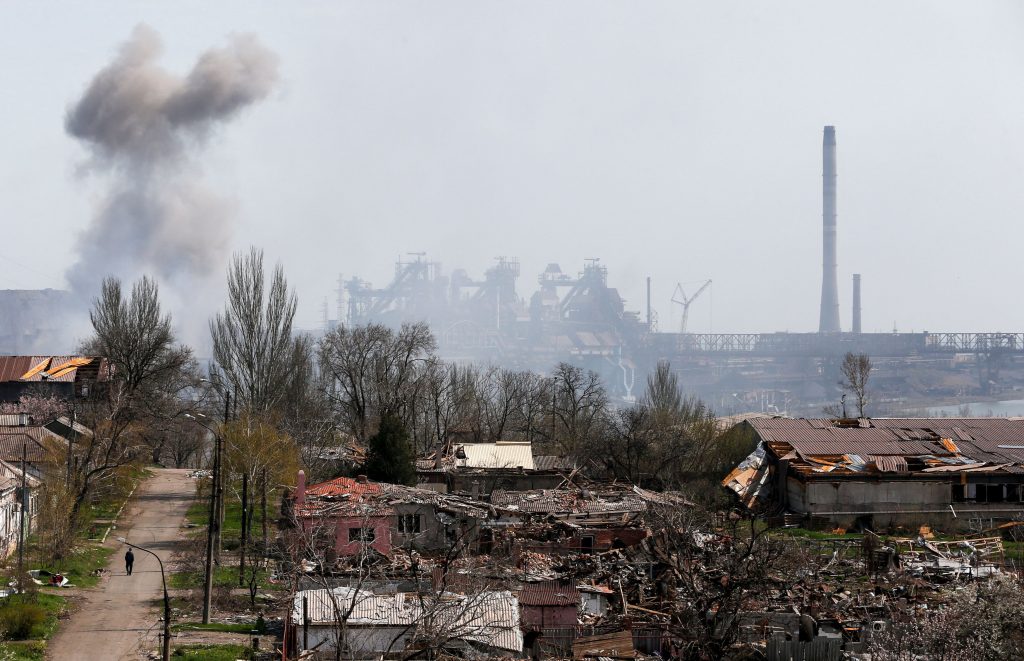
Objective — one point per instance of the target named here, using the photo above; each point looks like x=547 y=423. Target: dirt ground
x=120 y=617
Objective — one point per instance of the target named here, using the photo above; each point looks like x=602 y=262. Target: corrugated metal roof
x=13 y=367
x=978 y=440
x=549 y=593
x=890 y=464
x=61 y=369
x=547 y=462
x=11 y=443
x=503 y=454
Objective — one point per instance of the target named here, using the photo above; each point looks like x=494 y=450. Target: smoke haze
x=144 y=127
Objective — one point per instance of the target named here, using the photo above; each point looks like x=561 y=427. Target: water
x=1008 y=408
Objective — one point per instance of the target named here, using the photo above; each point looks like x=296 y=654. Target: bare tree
x=373 y=369
x=579 y=407
x=856 y=369
x=253 y=346
x=713 y=573
x=149 y=376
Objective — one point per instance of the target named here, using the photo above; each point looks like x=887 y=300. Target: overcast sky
x=679 y=140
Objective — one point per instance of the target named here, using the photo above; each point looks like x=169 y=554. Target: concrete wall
x=885 y=504
x=432 y=533
x=365 y=642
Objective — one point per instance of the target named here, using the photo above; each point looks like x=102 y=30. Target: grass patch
x=82 y=565
x=211 y=652
x=199 y=511
x=225 y=576
x=51 y=605
x=804 y=533
x=216 y=626
x=24 y=650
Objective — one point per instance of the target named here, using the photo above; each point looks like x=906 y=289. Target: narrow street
x=112 y=620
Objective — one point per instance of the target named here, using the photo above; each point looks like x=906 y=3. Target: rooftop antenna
x=679 y=296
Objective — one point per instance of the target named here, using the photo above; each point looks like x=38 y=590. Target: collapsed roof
x=923 y=447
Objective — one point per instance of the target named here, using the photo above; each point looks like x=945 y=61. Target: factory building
x=877 y=474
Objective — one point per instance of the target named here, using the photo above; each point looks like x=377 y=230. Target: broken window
x=958 y=493
x=409 y=524
x=361 y=535
x=1013 y=492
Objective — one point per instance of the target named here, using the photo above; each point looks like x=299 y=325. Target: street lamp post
x=213 y=522
x=167 y=600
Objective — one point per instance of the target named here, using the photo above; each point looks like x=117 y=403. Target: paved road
x=114 y=618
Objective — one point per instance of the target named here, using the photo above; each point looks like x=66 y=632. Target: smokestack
x=829 y=320
x=648 y=302
x=856 y=302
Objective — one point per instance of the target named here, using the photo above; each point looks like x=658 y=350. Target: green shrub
x=19 y=620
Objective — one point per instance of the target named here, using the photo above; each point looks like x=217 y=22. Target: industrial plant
x=577 y=315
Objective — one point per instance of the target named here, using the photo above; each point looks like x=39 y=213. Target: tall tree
x=856 y=369
x=389 y=457
x=373 y=369
x=149 y=375
x=253 y=346
x=579 y=407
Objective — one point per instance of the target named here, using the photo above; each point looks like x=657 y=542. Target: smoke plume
x=144 y=127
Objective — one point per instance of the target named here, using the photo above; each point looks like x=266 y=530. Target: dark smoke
x=144 y=125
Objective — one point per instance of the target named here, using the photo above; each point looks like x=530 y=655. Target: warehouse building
x=948 y=473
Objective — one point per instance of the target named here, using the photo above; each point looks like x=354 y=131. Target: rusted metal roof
x=890 y=464
x=11 y=443
x=995 y=443
x=63 y=369
x=549 y=593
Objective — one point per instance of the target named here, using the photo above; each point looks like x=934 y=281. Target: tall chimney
x=856 y=302
x=829 y=321
x=648 y=303
x=300 y=488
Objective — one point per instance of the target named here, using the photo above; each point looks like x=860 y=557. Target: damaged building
x=478 y=469
x=357 y=513
x=949 y=473
x=57 y=376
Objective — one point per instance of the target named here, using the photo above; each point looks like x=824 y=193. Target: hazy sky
x=679 y=140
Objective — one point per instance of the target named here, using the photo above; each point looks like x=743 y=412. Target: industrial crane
x=685 y=302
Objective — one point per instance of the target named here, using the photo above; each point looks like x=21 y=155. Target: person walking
x=129 y=560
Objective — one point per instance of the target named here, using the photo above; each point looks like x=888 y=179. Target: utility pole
x=211 y=525
x=245 y=524
x=220 y=481
x=72 y=438
x=21 y=528
x=211 y=533
x=263 y=508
